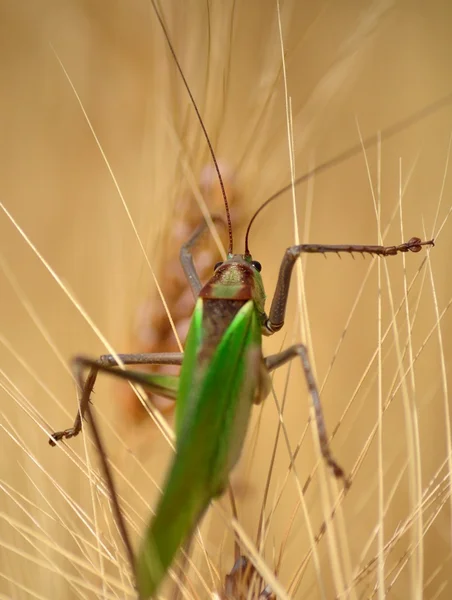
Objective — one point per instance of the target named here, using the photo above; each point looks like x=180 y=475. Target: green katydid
x=223 y=373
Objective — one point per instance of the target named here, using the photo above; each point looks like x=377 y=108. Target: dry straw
x=75 y=272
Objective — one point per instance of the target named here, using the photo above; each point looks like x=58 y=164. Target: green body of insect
x=222 y=374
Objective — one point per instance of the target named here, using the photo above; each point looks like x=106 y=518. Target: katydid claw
x=57 y=436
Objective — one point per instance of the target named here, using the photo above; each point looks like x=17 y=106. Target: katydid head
x=238 y=278
x=237 y=257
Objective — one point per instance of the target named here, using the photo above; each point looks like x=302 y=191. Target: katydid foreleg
x=279 y=303
x=186 y=257
x=277 y=313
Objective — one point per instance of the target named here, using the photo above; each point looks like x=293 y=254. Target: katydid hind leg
x=299 y=350
x=109 y=364
x=114 y=498
x=239 y=581
x=235 y=515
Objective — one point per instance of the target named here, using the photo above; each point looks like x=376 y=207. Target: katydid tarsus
x=223 y=373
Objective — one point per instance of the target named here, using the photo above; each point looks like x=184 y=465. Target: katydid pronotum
x=223 y=372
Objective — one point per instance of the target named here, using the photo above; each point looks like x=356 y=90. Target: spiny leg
x=108 y=475
x=186 y=257
x=277 y=313
x=109 y=364
x=277 y=360
x=278 y=308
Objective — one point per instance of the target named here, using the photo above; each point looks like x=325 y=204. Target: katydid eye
x=217 y=265
x=257 y=266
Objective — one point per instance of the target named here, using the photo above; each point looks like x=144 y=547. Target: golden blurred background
x=371 y=63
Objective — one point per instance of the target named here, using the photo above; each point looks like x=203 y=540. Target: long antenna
x=206 y=135
x=391 y=131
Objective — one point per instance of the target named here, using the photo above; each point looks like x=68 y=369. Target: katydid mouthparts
x=223 y=373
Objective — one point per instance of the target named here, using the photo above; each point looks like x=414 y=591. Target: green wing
x=163 y=385
x=213 y=404
x=159 y=384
